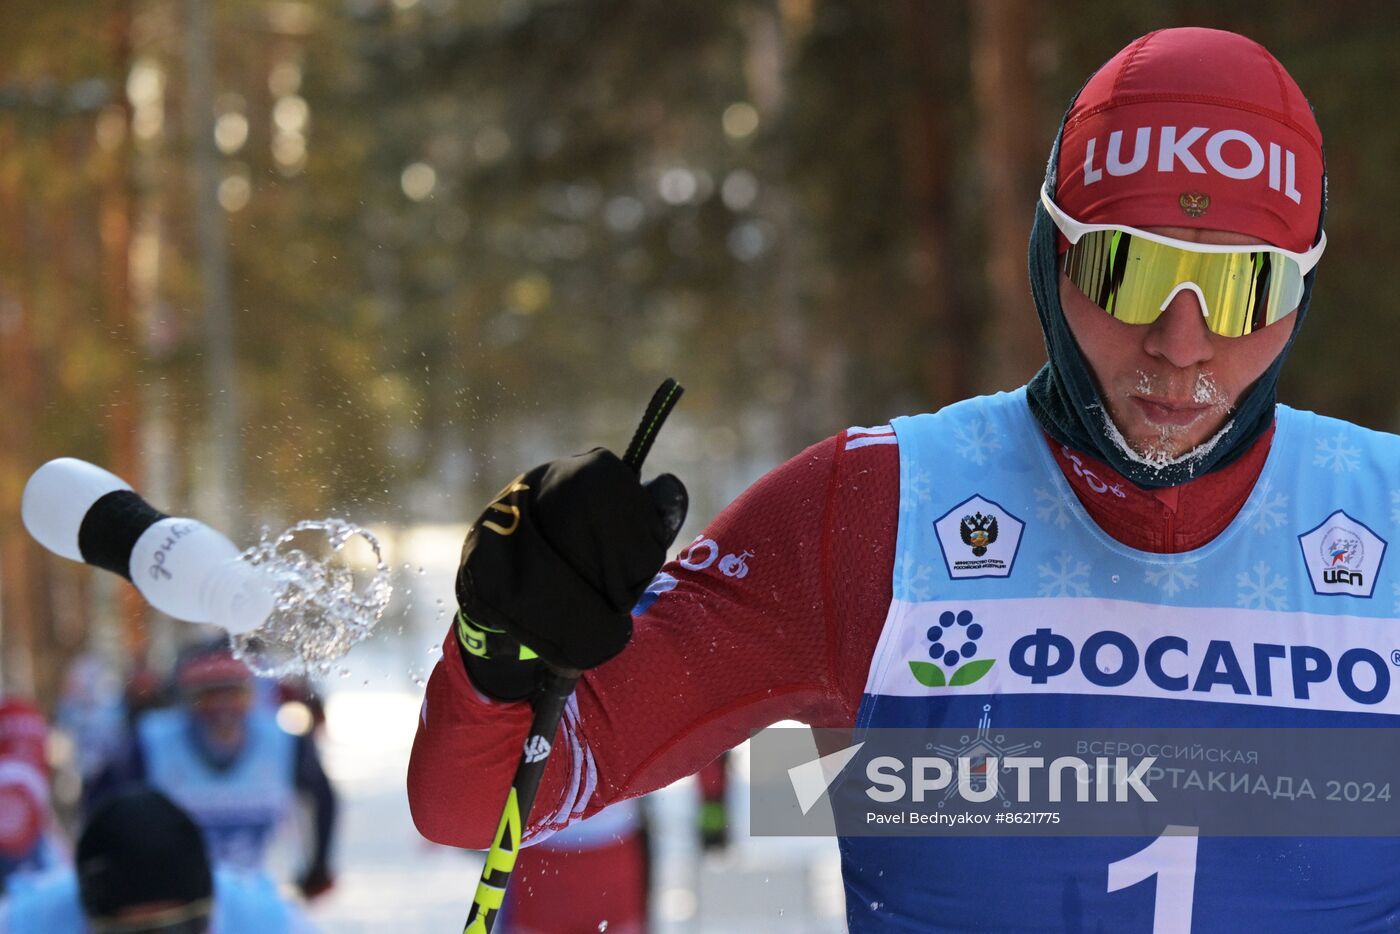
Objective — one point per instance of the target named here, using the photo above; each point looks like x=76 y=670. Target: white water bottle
x=181 y=566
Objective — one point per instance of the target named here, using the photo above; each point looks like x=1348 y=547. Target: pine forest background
x=277 y=259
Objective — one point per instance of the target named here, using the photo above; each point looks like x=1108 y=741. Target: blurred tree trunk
x=23 y=607
x=61 y=249
x=769 y=27
x=65 y=238
x=937 y=319
x=1009 y=155
x=224 y=508
x=115 y=226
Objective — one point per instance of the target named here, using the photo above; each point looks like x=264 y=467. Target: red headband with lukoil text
x=1194 y=128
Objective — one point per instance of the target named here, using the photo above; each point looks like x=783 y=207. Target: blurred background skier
x=222 y=756
x=26 y=841
x=142 y=868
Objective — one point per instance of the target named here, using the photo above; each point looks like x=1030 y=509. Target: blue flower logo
x=952 y=642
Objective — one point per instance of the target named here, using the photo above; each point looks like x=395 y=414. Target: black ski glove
x=552 y=568
x=315 y=881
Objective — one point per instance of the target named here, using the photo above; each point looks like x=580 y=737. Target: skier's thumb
x=671 y=500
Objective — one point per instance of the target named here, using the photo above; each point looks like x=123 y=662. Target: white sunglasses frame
x=1074 y=230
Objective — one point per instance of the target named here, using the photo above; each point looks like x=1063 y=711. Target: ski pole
x=548 y=710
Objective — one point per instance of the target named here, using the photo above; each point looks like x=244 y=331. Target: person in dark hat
x=141 y=861
x=141 y=868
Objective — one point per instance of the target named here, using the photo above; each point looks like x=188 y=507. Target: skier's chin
x=1162 y=444
x=1165 y=442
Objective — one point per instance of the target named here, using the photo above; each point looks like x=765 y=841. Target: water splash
x=323 y=607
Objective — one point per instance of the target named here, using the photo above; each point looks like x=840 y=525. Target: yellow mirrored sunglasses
x=1133 y=275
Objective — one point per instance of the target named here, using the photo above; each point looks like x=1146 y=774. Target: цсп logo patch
x=1343 y=556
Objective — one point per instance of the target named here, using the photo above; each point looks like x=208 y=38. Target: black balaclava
x=140 y=848
x=1128 y=93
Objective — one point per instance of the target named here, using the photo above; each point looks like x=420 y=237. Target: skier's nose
x=1180 y=336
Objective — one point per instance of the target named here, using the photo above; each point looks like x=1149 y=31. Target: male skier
x=227 y=762
x=1144 y=495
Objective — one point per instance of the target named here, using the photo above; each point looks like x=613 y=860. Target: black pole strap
x=662 y=402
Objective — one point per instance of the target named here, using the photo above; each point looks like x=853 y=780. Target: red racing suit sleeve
x=774 y=614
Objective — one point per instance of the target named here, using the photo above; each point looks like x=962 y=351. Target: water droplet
x=602 y=925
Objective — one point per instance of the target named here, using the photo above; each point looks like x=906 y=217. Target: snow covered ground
x=393 y=880
x=390 y=878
